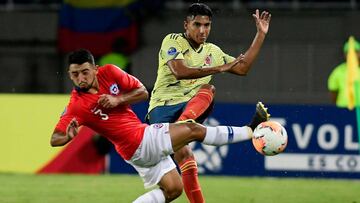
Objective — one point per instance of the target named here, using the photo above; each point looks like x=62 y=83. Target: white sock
x=154 y=196
x=221 y=135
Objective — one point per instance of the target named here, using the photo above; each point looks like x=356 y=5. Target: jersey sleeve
x=65 y=118
x=171 y=48
x=126 y=81
x=227 y=58
x=222 y=57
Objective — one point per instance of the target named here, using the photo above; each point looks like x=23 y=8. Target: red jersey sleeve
x=126 y=81
x=65 y=118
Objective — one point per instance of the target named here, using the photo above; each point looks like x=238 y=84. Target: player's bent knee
x=197 y=131
x=209 y=87
x=213 y=89
x=174 y=192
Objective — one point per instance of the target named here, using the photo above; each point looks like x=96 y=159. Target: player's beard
x=85 y=89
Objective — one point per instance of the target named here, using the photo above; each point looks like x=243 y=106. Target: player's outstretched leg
x=183 y=133
x=261 y=115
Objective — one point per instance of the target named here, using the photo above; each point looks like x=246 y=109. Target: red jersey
x=120 y=124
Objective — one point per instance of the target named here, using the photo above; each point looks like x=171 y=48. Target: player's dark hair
x=199 y=9
x=81 y=56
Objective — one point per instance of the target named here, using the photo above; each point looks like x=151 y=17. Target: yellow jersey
x=170 y=91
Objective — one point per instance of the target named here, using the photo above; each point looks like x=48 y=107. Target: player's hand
x=72 y=129
x=228 y=66
x=262 y=21
x=241 y=58
x=108 y=101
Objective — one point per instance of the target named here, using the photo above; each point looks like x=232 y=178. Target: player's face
x=198 y=28
x=83 y=76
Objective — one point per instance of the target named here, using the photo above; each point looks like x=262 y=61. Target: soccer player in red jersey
x=100 y=101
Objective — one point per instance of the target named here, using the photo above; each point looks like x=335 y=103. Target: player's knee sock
x=189 y=174
x=197 y=105
x=155 y=195
x=221 y=135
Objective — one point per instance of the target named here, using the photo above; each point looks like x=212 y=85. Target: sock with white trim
x=221 y=135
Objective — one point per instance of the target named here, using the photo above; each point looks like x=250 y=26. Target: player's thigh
x=165 y=114
x=183 y=133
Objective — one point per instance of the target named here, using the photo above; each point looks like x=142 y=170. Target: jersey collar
x=198 y=50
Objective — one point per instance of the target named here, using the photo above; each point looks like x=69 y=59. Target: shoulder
x=105 y=67
x=177 y=38
x=110 y=72
x=108 y=68
x=173 y=36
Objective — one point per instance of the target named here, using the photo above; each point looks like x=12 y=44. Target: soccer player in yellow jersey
x=182 y=90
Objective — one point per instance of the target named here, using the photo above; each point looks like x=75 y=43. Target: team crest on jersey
x=171 y=51
x=158 y=125
x=114 y=89
x=208 y=60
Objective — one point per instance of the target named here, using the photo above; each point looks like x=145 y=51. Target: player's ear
x=185 y=24
x=96 y=67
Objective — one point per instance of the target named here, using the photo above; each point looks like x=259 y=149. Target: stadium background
x=303 y=46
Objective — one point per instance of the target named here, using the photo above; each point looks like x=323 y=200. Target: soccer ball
x=270 y=138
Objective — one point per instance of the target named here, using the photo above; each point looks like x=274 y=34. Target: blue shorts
x=170 y=114
x=165 y=114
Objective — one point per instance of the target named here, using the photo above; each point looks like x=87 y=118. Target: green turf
x=123 y=188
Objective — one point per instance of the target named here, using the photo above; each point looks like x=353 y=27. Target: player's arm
x=134 y=96
x=181 y=71
x=171 y=53
x=132 y=90
x=262 y=24
x=59 y=138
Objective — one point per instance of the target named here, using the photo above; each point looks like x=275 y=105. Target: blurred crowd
x=178 y=4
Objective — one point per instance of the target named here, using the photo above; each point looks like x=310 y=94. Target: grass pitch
x=15 y=188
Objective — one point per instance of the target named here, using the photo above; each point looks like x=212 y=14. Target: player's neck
x=193 y=44
x=94 y=89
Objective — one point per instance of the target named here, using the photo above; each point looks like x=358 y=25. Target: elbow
x=53 y=143
x=242 y=70
x=144 y=93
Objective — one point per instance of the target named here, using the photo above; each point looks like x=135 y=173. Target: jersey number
x=103 y=116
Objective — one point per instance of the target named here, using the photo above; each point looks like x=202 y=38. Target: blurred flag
x=352 y=74
x=95 y=25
